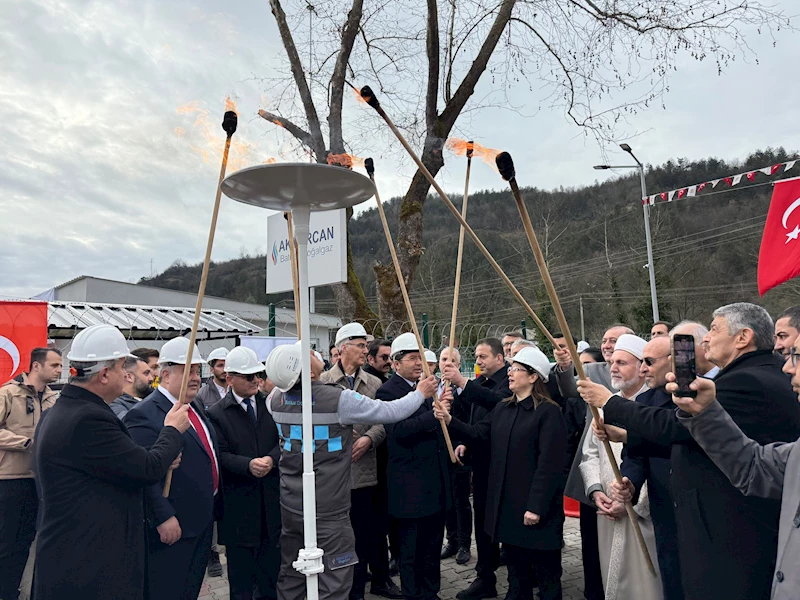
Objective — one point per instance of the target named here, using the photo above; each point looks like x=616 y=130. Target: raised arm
x=754 y=469
x=653 y=424
x=356 y=408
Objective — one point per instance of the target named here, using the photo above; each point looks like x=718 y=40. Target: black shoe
x=394 y=568
x=463 y=556
x=214 y=566
x=448 y=550
x=387 y=590
x=503 y=559
x=477 y=590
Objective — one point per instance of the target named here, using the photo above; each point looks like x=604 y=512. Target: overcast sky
x=102 y=173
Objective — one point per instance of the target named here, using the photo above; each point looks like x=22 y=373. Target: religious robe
x=625 y=572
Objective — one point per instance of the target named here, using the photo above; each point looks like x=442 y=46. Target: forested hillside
x=705 y=250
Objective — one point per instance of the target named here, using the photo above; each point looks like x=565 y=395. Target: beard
x=622 y=384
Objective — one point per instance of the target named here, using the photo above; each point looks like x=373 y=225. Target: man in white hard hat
x=216 y=386
x=348 y=372
x=418 y=475
x=181 y=525
x=335 y=411
x=248 y=454
x=433 y=362
x=91 y=474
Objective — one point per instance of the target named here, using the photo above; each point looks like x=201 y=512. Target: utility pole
x=583 y=332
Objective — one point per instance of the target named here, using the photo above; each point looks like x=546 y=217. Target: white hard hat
x=351 y=330
x=430 y=356
x=217 y=354
x=243 y=360
x=283 y=366
x=175 y=351
x=583 y=346
x=98 y=343
x=405 y=342
x=535 y=359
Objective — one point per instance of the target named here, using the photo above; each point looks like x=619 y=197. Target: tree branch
x=317 y=142
x=467 y=86
x=336 y=86
x=300 y=134
x=432 y=48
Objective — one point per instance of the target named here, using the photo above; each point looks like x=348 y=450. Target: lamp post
x=646 y=207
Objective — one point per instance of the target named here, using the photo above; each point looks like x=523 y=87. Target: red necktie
x=198 y=427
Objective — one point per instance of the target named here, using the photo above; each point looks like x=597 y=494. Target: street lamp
x=646 y=209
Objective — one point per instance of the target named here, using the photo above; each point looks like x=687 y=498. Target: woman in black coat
x=528 y=437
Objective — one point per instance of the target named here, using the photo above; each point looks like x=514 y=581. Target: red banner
x=23 y=327
x=779 y=257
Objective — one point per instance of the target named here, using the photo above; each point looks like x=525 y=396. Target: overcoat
x=247 y=498
x=526 y=471
x=418 y=477
x=737 y=536
x=91 y=475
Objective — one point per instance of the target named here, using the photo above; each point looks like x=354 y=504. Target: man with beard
x=138 y=385
x=379 y=363
x=216 y=387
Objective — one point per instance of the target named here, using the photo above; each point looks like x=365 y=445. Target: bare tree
x=587 y=53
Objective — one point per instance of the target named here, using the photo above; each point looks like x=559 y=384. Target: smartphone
x=683 y=364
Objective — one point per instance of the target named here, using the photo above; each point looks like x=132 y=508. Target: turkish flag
x=23 y=327
x=779 y=257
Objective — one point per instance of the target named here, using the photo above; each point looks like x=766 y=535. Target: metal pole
x=524 y=329
x=651 y=267
x=271 y=323
x=583 y=332
x=425 y=333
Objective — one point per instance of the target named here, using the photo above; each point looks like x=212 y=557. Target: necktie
x=351 y=380
x=248 y=403
x=201 y=433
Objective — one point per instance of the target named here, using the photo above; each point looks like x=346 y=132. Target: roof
x=144 y=322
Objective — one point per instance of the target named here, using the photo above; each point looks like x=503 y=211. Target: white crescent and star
x=794 y=233
x=10 y=347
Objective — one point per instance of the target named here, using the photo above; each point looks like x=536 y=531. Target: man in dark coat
x=735 y=535
x=481 y=395
x=418 y=477
x=179 y=535
x=91 y=475
x=248 y=455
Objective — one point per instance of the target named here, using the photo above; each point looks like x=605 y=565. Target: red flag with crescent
x=779 y=257
x=23 y=327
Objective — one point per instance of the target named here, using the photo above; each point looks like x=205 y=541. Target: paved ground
x=457 y=577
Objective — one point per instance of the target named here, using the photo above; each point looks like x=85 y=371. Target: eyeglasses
x=360 y=345
x=383 y=357
x=650 y=361
x=251 y=376
x=516 y=369
x=794 y=357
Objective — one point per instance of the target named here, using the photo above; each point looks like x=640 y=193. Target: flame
x=207 y=138
x=345 y=160
x=459 y=148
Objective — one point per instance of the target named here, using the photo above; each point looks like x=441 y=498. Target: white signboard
x=262 y=346
x=327 y=251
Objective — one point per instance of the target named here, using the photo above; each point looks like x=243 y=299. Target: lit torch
x=366 y=95
x=369 y=165
x=229 y=124
x=505 y=165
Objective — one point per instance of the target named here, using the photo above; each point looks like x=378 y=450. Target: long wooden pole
x=460 y=256
x=295 y=274
x=506 y=167
x=407 y=301
x=369 y=97
x=229 y=123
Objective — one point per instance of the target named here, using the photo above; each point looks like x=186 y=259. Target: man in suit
x=179 y=536
x=248 y=456
x=735 y=535
x=480 y=396
x=418 y=477
x=91 y=475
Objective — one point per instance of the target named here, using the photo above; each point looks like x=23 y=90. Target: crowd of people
x=136 y=474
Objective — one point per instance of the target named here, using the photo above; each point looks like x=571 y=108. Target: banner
x=779 y=257
x=23 y=327
x=327 y=251
x=732 y=180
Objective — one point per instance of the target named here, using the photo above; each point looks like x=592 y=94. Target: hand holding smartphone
x=683 y=364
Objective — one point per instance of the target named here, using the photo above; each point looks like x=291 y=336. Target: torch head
x=505 y=164
x=369 y=97
x=369 y=165
x=470 y=148
x=229 y=122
